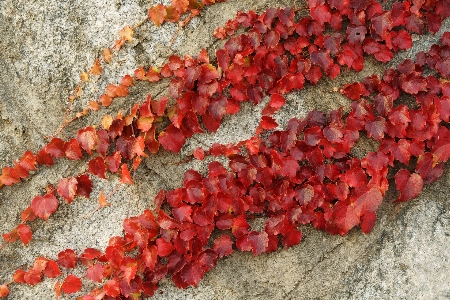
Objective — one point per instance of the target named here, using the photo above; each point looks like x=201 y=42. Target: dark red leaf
x=172 y=139
x=67 y=258
x=409 y=185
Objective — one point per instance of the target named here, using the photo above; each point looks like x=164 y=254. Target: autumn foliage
x=304 y=174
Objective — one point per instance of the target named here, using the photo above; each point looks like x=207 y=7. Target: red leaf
x=97 y=167
x=72 y=150
x=172 y=139
x=95 y=272
x=268 y=123
x=28 y=161
x=223 y=246
x=368 y=202
x=157 y=14
x=84 y=187
x=24 y=233
x=57 y=289
x=67 y=258
x=52 y=269
x=67 y=188
x=376 y=128
x=28 y=215
x=44 y=206
x=90 y=253
x=18 y=276
x=426 y=168
x=414 y=84
x=199 y=153
x=126 y=177
x=9 y=176
x=182 y=213
x=33 y=277
x=368 y=221
x=254 y=241
x=164 y=248
x=292 y=238
x=402 y=40
x=4 y=291
x=150 y=257
x=43 y=158
x=87 y=138
x=55 y=148
x=191 y=274
x=112 y=288
x=409 y=185
x=71 y=284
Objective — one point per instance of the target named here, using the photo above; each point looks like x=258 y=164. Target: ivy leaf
x=24 y=233
x=126 y=177
x=44 y=206
x=126 y=33
x=112 y=288
x=71 y=284
x=72 y=150
x=84 y=186
x=52 y=269
x=4 y=290
x=55 y=148
x=97 y=167
x=172 y=139
x=157 y=14
x=180 y=5
x=67 y=188
x=426 y=168
x=67 y=258
x=409 y=185
x=87 y=138
x=95 y=272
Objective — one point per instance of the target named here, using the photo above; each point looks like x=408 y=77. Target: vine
x=305 y=174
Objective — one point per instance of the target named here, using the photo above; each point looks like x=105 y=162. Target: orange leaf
x=84 y=76
x=105 y=100
x=102 y=200
x=96 y=69
x=157 y=14
x=93 y=105
x=180 y=5
x=126 y=177
x=107 y=121
x=57 y=289
x=126 y=33
x=107 y=55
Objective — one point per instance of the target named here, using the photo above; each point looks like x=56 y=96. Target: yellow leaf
x=107 y=121
x=126 y=33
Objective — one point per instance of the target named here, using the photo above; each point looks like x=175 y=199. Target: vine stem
x=106 y=198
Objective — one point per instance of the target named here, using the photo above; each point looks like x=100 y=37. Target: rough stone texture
x=46 y=44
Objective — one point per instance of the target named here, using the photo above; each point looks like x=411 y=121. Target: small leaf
x=71 y=284
x=126 y=177
x=126 y=33
x=157 y=14
x=96 y=69
x=67 y=188
x=4 y=291
x=44 y=206
x=24 y=233
x=67 y=258
x=102 y=200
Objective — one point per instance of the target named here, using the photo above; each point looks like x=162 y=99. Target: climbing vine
x=305 y=174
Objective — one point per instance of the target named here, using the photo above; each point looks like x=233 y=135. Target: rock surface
x=44 y=47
